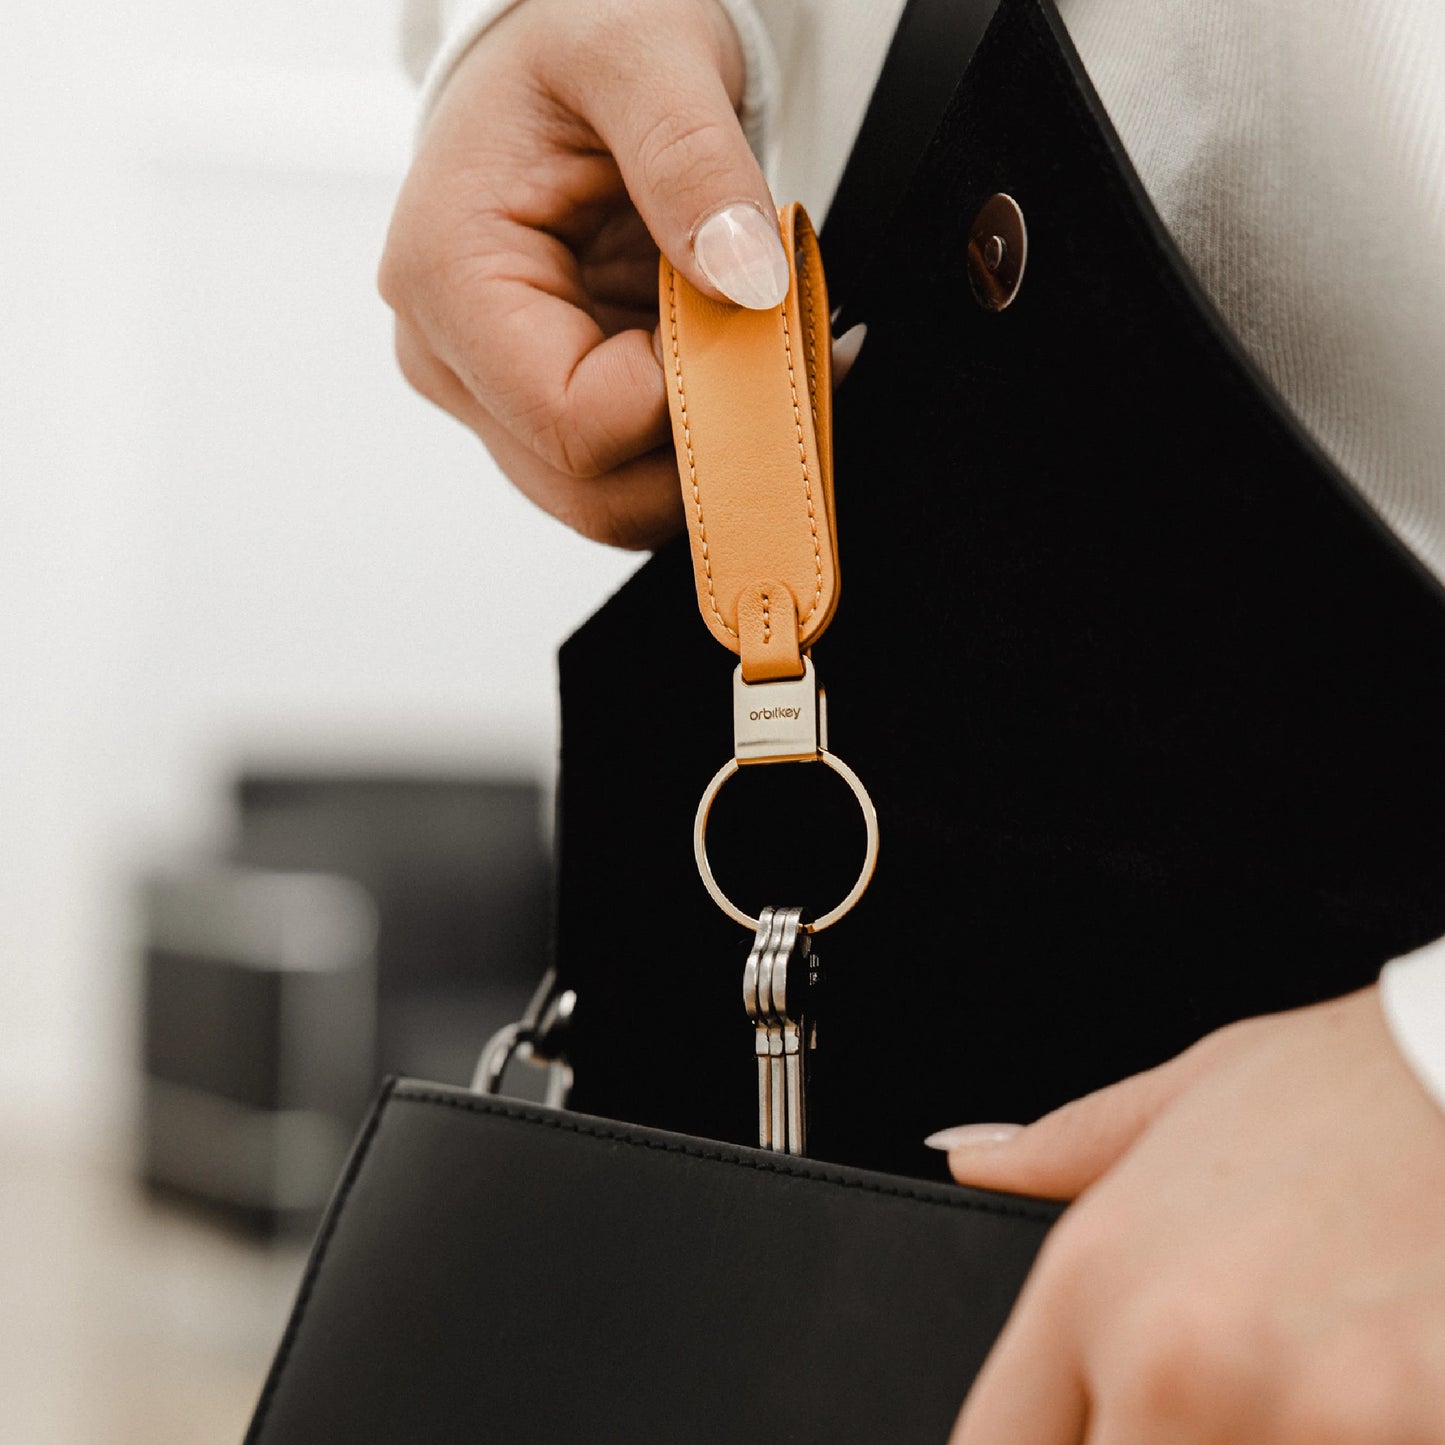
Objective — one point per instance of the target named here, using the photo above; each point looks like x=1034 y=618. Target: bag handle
x=751 y=398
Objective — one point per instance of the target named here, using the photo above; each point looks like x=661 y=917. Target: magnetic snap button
x=998 y=248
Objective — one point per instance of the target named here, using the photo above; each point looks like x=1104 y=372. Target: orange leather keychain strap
x=751 y=396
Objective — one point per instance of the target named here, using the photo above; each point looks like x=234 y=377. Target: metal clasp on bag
x=534 y=1041
x=782 y=722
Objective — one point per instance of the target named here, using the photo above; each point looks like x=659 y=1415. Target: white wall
x=227 y=530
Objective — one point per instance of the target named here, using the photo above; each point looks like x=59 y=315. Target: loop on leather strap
x=768 y=632
x=750 y=393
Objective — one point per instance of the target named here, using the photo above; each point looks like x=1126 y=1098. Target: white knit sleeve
x=436 y=34
x=762 y=85
x=1412 y=995
x=419 y=32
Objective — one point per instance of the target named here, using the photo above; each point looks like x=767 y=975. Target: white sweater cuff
x=1412 y=995
x=762 y=83
x=461 y=25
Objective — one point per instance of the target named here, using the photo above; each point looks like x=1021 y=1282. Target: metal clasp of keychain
x=782 y=722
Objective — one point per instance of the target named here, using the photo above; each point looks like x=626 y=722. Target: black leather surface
x=493 y=1272
x=931 y=48
x=1168 y=753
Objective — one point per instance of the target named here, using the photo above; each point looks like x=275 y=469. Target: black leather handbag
x=1168 y=756
x=491 y=1271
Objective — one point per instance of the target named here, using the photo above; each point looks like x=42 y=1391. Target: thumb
x=665 y=114
x=1066 y=1151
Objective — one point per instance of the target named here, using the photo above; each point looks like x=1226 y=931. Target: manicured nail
x=845 y=351
x=740 y=251
x=966 y=1136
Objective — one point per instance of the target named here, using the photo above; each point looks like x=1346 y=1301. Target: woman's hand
x=1256 y=1254
x=573 y=140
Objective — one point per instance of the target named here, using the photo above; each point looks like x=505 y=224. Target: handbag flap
x=492 y=1271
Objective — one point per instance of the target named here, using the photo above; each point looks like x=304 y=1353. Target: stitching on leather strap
x=803 y=457
x=691 y=462
x=767 y=621
x=805 y=276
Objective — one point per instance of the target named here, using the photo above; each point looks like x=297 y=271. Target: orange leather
x=768 y=632
x=751 y=395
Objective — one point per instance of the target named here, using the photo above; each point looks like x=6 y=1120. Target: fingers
x=845 y=352
x=1029 y=1391
x=510 y=315
x=1068 y=1150
x=523 y=279
x=637 y=505
x=1248 y=1272
x=666 y=115
x=1062 y=1154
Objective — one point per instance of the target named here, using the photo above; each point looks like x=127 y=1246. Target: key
x=772 y=969
x=778 y=982
x=753 y=1003
x=791 y=987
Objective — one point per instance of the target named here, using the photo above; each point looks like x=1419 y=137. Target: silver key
x=793 y=1083
x=789 y=994
x=772 y=989
x=780 y=949
x=753 y=1003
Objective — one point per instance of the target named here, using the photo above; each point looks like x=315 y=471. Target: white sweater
x=1295 y=149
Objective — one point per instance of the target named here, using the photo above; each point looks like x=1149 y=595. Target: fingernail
x=846 y=349
x=965 y=1136
x=657 y=346
x=739 y=250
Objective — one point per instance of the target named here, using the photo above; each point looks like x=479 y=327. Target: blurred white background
x=230 y=535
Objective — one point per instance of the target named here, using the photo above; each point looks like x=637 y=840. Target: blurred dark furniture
x=461 y=874
x=259 y=1038
x=361 y=926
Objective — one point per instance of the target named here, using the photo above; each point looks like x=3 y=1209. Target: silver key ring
x=870 y=856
